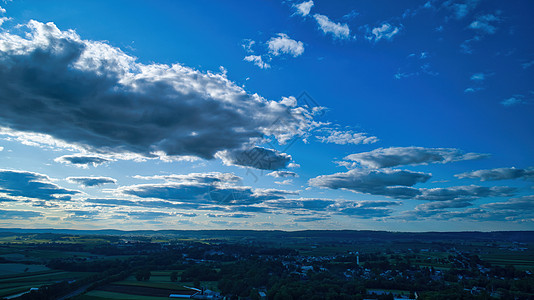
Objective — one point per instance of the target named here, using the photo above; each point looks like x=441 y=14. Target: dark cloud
x=256 y=157
x=82 y=160
x=205 y=189
x=93 y=95
x=499 y=174
x=469 y=192
x=366 y=209
x=521 y=204
x=282 y=174
x=91 y=181
x=31 y=185
x=514 y=210
x=206 y=178
x=461 y=203
x=19 y=214
x=360 y=209
x=398 y=156
x=387 y=182
x=203 y=194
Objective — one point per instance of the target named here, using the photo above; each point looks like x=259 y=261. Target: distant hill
x=349 y=235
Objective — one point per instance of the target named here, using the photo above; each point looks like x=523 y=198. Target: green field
x=10 y=269
x=103 y=295
x=21 y=282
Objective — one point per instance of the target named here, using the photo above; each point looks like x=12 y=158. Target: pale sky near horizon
x=382 y=115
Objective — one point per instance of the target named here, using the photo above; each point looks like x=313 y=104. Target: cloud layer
x=110 y=103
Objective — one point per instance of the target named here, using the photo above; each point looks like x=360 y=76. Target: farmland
x=285 y=265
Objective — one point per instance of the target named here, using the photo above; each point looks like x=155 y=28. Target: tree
x=143 y=275
x=174 y=276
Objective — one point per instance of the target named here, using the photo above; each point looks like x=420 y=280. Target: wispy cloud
x=257 y=60
x=385 y=31
x=337 y=30
x=485 y=23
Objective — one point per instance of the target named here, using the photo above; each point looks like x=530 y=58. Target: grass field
x=104 y=295
x=10 y=269
x=21 y=282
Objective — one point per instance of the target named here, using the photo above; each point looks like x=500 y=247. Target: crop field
x=158 y=287
x=9 y=269
x=21 y=282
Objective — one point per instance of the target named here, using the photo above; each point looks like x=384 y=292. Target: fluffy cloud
x=385 y=31
x=257 y=157
x=485 y=24
x=499 y=174
x=398 y=156
x=283 y=44
x=282 y=174
x=257 y=60
x=93 y=95
x=31 y=185
x=91 y=181
x=304 y=8
x=344 y=137
x=338 y=30
x=386 y=182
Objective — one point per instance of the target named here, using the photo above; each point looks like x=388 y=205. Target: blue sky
x=404 y=115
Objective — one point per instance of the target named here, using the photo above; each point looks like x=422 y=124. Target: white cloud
x=338 y=30
x=385 y=31
x=461 y=9
x=304 y=8
x=247 y=45
x=110 y=103
x=283 y=44
x=343 y=137
x=512 y=101
x=485 y=24
x=285 y=182
x=257 y=60
x=1 y=148
x=2 y=10
x=527 y=64
x=478 y=77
